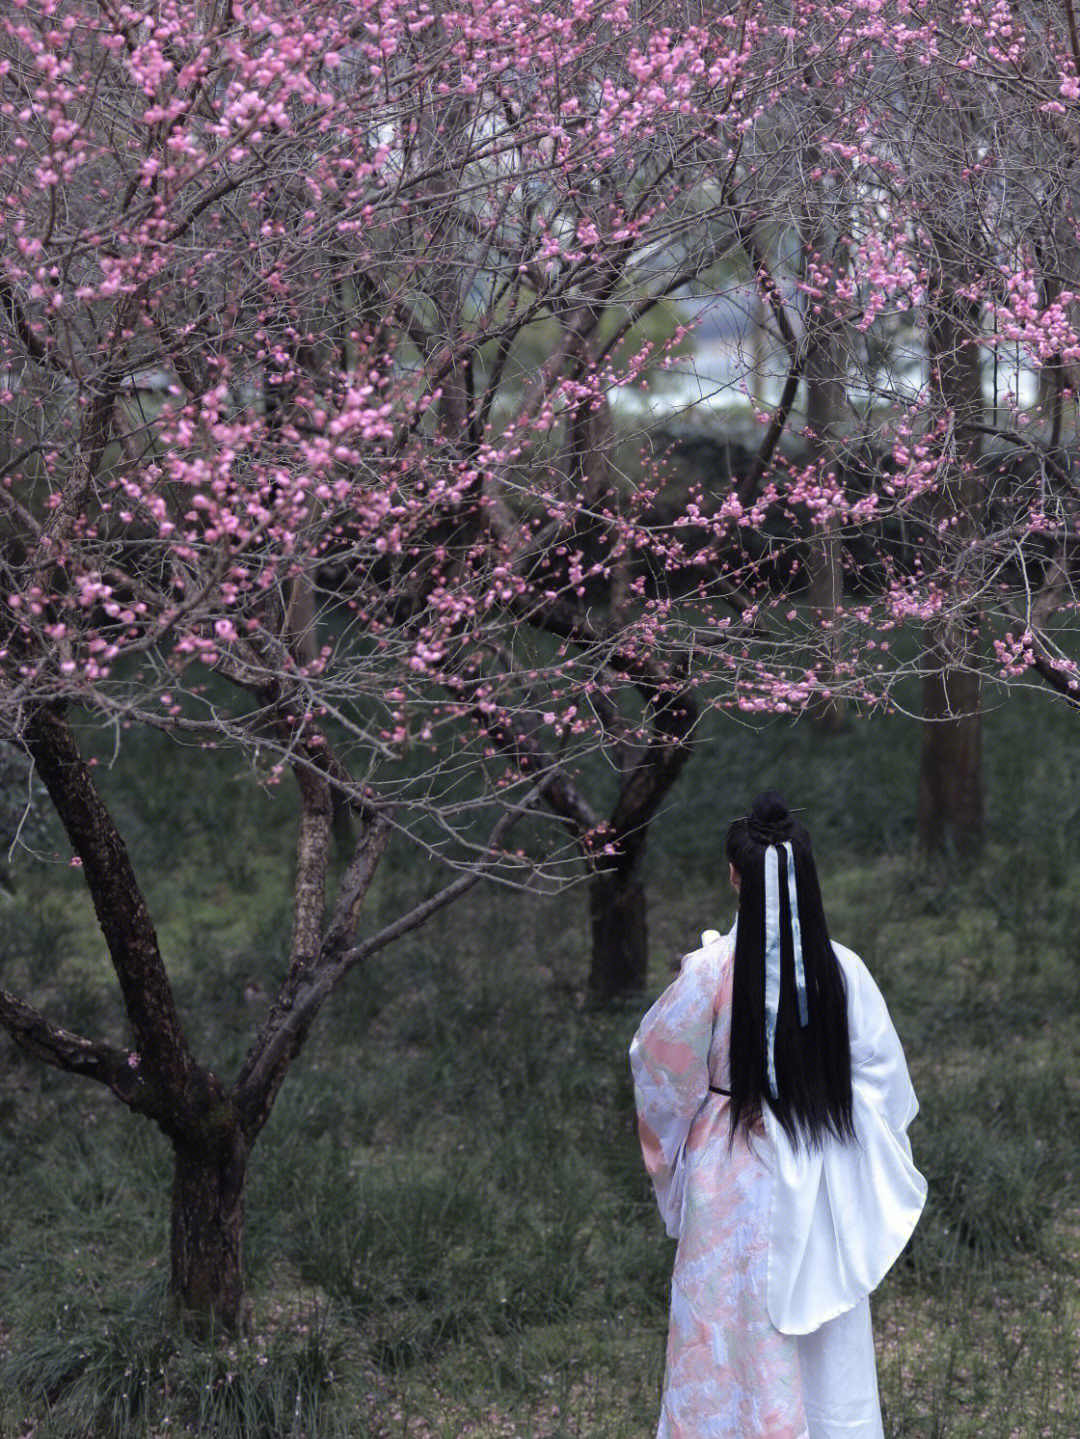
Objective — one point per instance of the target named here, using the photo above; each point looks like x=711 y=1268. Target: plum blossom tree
x=312 y=321
x=274 y=280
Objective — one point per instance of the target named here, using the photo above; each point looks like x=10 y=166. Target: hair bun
x=769 y=820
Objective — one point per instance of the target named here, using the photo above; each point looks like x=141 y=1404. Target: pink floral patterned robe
x=778 y=1249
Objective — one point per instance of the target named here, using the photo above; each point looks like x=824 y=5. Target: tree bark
x=208 y=1228
x=123 y=916
x=618 y=910
x=950 y=813
x=950 y=760
x=617 y=902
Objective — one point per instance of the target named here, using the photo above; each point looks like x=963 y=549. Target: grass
x=449 y=1228
x=128 y=1373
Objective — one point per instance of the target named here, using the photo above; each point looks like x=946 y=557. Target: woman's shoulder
x=848 y=960
x=714 y=950
x=853 y=965
x=864 y=996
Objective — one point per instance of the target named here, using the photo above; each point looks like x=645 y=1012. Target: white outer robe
x=842 y=1214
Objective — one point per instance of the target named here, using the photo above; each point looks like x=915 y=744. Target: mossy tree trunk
x=207 y=1233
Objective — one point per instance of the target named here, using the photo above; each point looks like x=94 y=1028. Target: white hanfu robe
x=779 y=1247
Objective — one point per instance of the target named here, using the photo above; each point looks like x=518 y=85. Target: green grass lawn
x=450 y=1232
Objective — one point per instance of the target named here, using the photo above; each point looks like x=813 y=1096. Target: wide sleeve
x=842 y=1214
x=669 y=1058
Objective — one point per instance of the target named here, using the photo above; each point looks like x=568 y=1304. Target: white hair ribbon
x=772 y=950
x=796 y=938
x=772 y=960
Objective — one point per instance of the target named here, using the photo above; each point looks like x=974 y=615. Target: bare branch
x=118 y=1069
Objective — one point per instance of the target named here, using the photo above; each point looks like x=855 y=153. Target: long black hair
x=813 y=1064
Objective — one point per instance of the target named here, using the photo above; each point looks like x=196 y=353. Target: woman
x=773 y=1104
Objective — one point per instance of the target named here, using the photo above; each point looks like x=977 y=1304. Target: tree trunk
x=208 y=1229
x=825 y=586
x=824 y=415
x=950 y=757
x=617 y=903
x=620 y=932
x=825 y=377
x=950 y=762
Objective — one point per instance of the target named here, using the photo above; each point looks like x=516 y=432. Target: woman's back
x=783 y=1228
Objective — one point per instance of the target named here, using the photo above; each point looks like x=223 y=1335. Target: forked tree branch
x=122 y=915
x=118 y=1069
x=308 y=987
